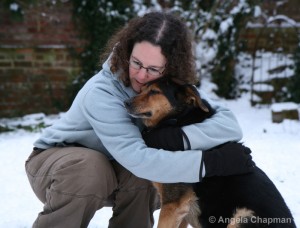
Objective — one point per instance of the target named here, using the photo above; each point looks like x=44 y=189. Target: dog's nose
x=127 y=103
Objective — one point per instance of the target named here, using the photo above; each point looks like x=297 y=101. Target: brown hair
x=158 y=28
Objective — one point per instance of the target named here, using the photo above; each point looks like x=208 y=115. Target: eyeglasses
x=137 y=65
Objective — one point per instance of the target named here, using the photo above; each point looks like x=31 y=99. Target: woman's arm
x=103 y=107
x=222 y=127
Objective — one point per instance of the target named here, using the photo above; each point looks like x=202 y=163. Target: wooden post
x=285 y=110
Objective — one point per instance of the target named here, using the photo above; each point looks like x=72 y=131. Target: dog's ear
x=190 y=96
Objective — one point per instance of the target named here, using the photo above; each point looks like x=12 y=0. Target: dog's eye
x=153 y=92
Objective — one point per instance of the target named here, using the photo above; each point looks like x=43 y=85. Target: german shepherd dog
x=249 y=200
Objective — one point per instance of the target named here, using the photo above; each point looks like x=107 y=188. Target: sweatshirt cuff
x=186 y=141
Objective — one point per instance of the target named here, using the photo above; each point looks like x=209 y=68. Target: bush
x=294 y=83
x=97 y=20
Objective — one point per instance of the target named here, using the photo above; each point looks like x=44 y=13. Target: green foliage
x=5 y=129
x=216 y=25
x=294 y=83
x=97 y=20
x=35 y=127
x=223 y=73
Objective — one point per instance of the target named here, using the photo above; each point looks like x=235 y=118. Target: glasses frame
x=137 y=65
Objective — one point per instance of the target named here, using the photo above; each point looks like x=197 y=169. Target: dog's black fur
x=221 y=198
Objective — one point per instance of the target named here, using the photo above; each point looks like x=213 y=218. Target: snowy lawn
x=275 y=148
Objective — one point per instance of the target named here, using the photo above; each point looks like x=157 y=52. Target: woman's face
x=146 y=64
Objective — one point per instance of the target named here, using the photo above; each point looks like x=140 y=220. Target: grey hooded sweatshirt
x=97 y=119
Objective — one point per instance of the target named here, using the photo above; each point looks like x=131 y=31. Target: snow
x=209 y=34
x=14 y=7
x=284 y=18
x=278 y=107
x=240 y=7
x=263 y=87
x=275 y=21
x=275 y=148
x=257 y=11
x=225 y=25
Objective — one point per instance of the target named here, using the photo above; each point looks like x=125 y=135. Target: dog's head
x=162 y=99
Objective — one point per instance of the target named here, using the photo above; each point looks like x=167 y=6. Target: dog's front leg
x=184 y=224
x=172 y=216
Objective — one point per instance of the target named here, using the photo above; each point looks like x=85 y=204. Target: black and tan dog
x=249 y=200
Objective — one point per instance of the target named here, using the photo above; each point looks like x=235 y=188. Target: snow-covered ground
x=275 y=148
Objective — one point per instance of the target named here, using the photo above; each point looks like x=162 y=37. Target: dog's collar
x=168 y=122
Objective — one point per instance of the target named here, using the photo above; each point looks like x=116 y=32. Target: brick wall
x=270 y=39
x=37 y=59
x=35 y=80
x=43 y=23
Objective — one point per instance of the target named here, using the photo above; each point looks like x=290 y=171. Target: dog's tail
x=243 y=218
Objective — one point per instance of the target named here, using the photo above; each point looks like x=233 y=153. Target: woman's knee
x=83 y=172
x=71 y=170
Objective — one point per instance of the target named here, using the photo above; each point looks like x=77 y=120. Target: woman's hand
x=228 y=159
x=167 y=138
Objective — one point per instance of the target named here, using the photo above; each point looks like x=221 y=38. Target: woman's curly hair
x=161 y=29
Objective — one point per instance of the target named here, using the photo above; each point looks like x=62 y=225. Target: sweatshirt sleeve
x=105 y=111
x=222 y=127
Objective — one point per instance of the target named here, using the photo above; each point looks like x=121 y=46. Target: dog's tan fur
x=146 y=102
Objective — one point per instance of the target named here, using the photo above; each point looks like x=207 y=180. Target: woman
x=96 y=153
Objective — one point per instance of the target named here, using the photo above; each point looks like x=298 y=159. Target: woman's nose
x=142 y=75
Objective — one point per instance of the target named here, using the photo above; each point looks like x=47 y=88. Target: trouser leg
x=72 y=182
x=135 y=201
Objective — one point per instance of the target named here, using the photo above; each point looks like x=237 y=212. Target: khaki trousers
x=74 y=182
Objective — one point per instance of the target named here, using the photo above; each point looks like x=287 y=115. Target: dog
x=249 y=200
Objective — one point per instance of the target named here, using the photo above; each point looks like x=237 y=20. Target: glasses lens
x=153 y=72
x=135 y=64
